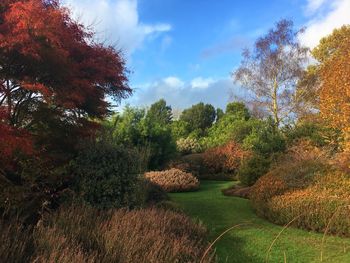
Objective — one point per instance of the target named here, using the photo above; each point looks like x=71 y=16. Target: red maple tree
x=52 y=72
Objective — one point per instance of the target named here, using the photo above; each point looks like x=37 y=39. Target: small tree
x=272 y=69
x=199 y=117
x=160 y=113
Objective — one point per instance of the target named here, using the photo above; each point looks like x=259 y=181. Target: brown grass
x=84 y=234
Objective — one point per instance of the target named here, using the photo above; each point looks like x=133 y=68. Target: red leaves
x=59 y=56
x=226 y=158
x=53 y=75
x=12 y=141
x=28 y=25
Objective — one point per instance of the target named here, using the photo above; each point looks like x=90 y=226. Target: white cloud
x=314 y=5
x=201 y=83
x=171 y=82
x=116 y=21
x=322 y=22
x=181 y=94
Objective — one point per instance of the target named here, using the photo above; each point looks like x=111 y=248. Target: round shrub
x=173 y=180
x=105 y=175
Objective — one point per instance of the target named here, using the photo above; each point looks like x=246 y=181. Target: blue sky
x=184 y=50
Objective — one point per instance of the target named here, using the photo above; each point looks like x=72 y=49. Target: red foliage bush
x=226 y=158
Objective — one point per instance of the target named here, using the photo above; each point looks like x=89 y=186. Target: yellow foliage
x=333 y=53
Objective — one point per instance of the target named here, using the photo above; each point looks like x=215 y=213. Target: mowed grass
x=251 y=242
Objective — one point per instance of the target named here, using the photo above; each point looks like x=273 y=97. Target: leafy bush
x=173 y=180
x=191 y=163
x=224 y=159
x=252 y=168
x=314 y=131
x=143 y=129
x=105 y=175
x=264 y=140
x=188 y=145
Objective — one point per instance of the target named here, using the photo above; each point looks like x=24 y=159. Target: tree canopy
x=272 y=69
x=53 y=74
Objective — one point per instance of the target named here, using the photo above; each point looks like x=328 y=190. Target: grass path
x=250 y=243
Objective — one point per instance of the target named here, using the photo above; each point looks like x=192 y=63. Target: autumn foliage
x=333 y=53
x=304 y=186
x=53 y=74
x=225 y=158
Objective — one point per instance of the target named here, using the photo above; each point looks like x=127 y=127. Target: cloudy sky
x=185 y=50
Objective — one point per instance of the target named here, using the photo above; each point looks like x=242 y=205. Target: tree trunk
x=275 y=104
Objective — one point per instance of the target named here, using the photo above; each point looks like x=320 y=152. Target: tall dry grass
x=84 y=234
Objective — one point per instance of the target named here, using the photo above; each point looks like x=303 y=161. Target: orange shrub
x=325 y=202
x=226 y=158
x=304 y=187
x=173 y=180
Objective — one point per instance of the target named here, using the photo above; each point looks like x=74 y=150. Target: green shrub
x=252 y=168
x=316 y=132
x=105 y=175
x=265 y=140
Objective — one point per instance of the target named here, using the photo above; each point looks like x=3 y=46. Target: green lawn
x=250 y=243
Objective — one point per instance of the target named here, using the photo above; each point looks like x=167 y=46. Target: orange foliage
x=334 y=54
x=226 y=158
x=303 y=185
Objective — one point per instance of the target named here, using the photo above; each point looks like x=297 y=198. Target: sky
x=185 y=50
